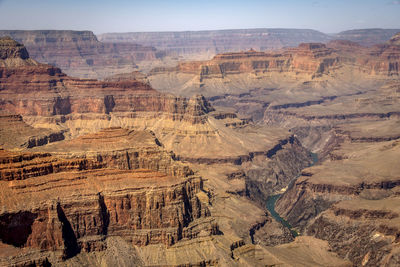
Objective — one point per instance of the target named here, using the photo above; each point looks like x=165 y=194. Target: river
x=271 y=201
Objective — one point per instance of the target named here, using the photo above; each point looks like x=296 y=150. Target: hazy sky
x=177 y=15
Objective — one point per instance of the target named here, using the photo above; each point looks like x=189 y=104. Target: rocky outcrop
x=122 y=149
x=12 y=49
x=13 y=54
x=307 y=58
x=350 y=201
x=367 y=236
x=72 y=202
x=314 y=192
x=303 y=74
x=79 y=53
x=43 y=90
x=314 y=59
x=135 y=75
x=14 y=132
x=384 y=59
x=264 y=179
x=395 y=40
x=21 y=166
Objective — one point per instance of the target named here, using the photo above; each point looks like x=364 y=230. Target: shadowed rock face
x=15 y=133
x=79 y=53
x=12 y=49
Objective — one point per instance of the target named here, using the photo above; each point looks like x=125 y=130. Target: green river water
x=271 y=201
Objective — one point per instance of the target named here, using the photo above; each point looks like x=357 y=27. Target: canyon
x=92 y=172
x=83 y=54
x=80 y=54
x=201 y=45
x=341 y=101
x=174 y=167
x=205 y=44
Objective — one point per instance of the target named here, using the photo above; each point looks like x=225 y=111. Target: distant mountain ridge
x=205 y=44
x=209 y=43
x=85 y=55
x=367 y=37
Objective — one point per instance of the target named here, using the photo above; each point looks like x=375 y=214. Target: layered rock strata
x=66 y=205
x=80 y=54
x=15 y=133
x=269 y=74
x=125 y=193
x=350 y=200
x=205 y=44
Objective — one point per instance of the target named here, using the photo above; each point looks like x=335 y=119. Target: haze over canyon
x=263 y=146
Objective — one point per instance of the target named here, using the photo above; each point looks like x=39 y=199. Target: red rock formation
x=67 y=205
x=37 y=89
x=14 y=132
x=309 y=59
x=79 y=53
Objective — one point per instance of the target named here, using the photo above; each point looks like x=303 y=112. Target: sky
x=101 y=16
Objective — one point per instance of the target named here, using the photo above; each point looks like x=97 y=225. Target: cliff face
x=205 y=44
x=79 y=53
x=42 y=90
x=350 y=201
x=67 y=204
x=15 y=133
x=365 y=231
x=307 y=58
x=13 y=54
x=101 y=189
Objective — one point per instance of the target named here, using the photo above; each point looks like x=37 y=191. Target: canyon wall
x=133 y=170
x=70 y=205
x=367 y=37
x=205 y=44
x=80 y=54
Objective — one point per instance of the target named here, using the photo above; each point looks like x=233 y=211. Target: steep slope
x=351 y=201
x=80 y=54
x=16 y=134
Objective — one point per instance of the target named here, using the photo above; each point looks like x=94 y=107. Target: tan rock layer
x=308 y=59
